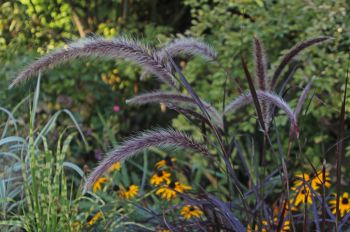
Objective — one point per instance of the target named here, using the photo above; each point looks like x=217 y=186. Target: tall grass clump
x=36 y=193
x=241 y=193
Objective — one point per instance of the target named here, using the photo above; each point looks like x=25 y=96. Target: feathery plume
x=97 y=47
x=260 y=64
x=302 y=98
x=170 y=97
x=188 y=46
x=294 y=51
x=188 y=113
x=261 y=79
x=158 y=138
x=160 y=96
x=246 y=99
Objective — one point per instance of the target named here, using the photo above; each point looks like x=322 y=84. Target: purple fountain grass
x=187 y=46
x=302 y=99
x=98 y=47
x=264 y=96
x=184 y=46
x=160 y=96
x=260 y=76
x=170 y=97
x=153 y=138
x=260 y=65
x=294 y=51
x=187 y=112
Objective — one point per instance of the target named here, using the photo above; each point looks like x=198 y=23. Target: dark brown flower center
x=172 y=184
x=116 y=188
x=89 y=218
x=168 y=161
x=303 y=191
x=159 y=173
x=345 y=201
x=191 y=208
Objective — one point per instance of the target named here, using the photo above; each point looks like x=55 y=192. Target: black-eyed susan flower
x=301 y=179
x=168 y=161
x=169 y=192
x=160 y=177
x=190 y=211
x=318 y=180
x=315 y=180
x=94 y=219
x=115 y=167
x=163 y=230
x=284 y=227
x=303 y=195
x=98 y=184
x=344 y=204
x=130 y=193
x=265 y=226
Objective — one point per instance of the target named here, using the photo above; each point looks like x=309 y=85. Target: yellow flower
x=301 y=179
x=303 y=195
x=115 y=167
x=318 y=181
x=95 y=218
x=104 y=78
x=130 y=193
x=160 y=177
x=301 y=187
x=168 y=161
x=162 y=107
x=285 y=226
x=189 y=211
x=97 y=185
x=344 y=204
x=265 y=226
x=169 y=192
x=315 y=181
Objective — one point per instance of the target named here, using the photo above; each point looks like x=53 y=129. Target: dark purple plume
x=175 y=98
x=302 y=99
x=260 y=65
x=267 y=97
x=183 y=46
x=294 y=51
x=97 y=47
x=154 y=138
x=187 y=46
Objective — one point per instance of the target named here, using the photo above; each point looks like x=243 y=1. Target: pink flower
x=116 y=108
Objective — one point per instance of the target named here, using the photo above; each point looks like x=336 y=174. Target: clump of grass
x=37 y=192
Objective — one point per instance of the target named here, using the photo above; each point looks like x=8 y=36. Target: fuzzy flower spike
x=97 y=47
x=158 y=138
